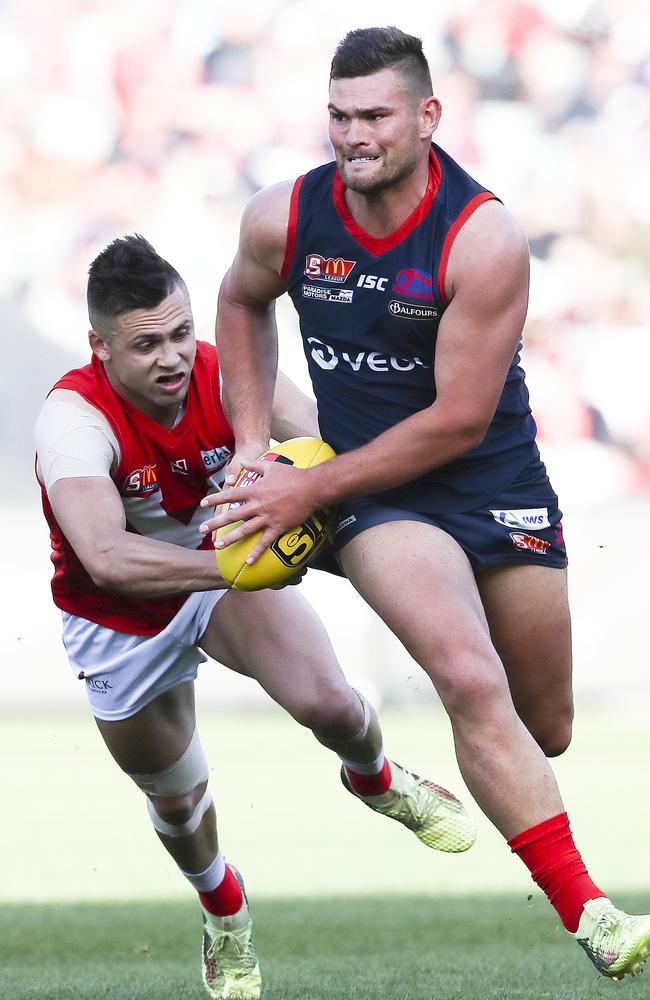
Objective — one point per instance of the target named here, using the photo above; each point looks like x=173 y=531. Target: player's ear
x=430 y=112
x=98 y=345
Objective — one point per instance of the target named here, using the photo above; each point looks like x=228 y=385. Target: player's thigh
x=419 y=581
x=527 y=609
x=154 y=738
x=276 y=637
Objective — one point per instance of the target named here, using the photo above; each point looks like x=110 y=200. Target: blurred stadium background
x=163 y=117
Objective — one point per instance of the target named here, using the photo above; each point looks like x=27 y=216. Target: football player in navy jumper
x=411 y=284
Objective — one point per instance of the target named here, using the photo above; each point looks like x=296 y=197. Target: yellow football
x=292 y=550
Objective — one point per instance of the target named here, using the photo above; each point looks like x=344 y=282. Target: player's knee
x=555 y=739
x=179 y=809
x=334 y=711
x=177 y=798
x=475 y=690
x=550 y=724
x=179 y=816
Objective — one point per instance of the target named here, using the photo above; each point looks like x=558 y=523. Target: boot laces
x=238 y=939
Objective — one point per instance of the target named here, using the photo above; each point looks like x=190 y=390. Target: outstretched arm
x=76 y=452
x=120 y=560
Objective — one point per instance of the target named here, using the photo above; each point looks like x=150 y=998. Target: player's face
x=378 y=129
x=149 y=354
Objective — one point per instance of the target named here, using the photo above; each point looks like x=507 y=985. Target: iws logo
x=409 y=310
x=334 y=269
x=414 y=284
x=534 y=517
x=143 y=480
x=328 y=358
x=327 y=294
x=530 y=542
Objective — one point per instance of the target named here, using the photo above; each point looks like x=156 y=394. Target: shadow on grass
x=393 y=948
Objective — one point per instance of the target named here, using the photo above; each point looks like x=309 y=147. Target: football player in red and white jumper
x=127 y=446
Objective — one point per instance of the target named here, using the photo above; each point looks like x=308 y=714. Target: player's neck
x=382 y=213
x=167 y=416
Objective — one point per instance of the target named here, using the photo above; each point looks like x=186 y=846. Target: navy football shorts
x=522 y=524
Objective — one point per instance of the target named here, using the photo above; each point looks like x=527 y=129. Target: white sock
x=367 y=767
x=209 y=879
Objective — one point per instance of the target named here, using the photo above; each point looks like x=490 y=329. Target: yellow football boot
x=616 y=942
x=435 y=816
x=230 y=967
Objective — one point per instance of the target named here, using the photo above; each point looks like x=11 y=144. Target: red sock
x=550 y=855
x=370 y=784
x=225 y=899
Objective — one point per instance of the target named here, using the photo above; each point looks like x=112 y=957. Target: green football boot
x=230 y=967
x=618 y=944
x=435 y=816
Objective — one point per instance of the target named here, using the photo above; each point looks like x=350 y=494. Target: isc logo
x=295 y=547
x=371 y=281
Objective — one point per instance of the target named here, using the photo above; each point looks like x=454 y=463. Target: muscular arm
x=118 y=560
x=76 y=451
x=246 y=334
x=487 y=288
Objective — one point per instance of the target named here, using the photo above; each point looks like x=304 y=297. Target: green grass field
x=398 y=948
x=346 y=904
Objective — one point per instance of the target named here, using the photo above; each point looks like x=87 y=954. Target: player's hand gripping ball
x=291 y=551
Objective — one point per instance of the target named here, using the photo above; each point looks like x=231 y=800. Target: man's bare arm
x=294 y=413
x=246 y=334
x=122 y=561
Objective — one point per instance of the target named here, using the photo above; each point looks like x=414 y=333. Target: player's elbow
x=467 y=432
x=106 y=571
x=104 y=578
x=474 y=433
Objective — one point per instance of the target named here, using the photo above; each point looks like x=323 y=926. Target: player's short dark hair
x=369 y=50
x=128 y=274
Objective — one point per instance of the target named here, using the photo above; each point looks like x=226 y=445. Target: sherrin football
x=292 y=550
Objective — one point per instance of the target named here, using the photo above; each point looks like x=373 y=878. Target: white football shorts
x=124 y=672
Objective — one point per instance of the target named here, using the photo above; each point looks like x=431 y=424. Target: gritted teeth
x=362 y=159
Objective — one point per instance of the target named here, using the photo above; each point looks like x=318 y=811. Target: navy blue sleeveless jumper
x=369 y=310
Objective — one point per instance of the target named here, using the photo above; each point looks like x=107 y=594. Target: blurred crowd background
x=165 y=116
